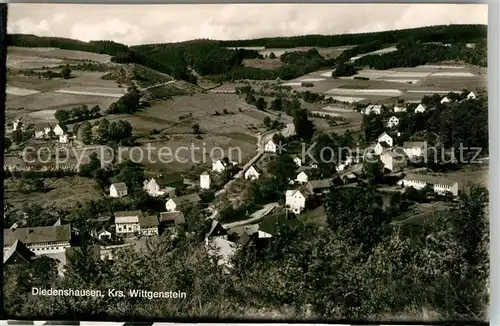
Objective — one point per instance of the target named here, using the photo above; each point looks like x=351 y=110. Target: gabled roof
x=429 y=179
x=58 y=222
x=270 y=141
x=255 y=168
x=216 y=229
x=270 y=224
x=120 y=186
x=21 y=249
x=384 y=134
x=187 y=199
x=319 y=184
x=175 y=217
x=38 y=234
x=167 y=179
x=414 y=144
x=148 y=221
x=127 y=213
x=384 y=144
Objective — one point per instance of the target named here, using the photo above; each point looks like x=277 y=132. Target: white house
x=393 y=122
x=379 y=148
x=393 y=161
x=302 y=177
x=384 y=137
x=295 y=200
x=104 y=234
x=439 y=185
x=297 y=160
x=399 y=109
x=58 y=130
x=341 y=167
x=39 y=133
x=41 y=240
x=420 y=108
x=162 y=184
x=205 y=180
x=219 y=166
x=445 y=100
x=270 y=147
x=414 y=149
x=127 y=223
x=174 y=204
x=252 y=173
x=118 y=190
x=63 y=139
x=471 y=96
x=375 y=109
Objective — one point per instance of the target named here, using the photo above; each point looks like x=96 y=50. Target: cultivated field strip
x=99 y=323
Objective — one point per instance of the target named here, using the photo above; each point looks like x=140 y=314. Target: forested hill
x=213 y=58
x=441 y=33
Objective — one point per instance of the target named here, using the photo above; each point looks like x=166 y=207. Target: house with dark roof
x=118 y=190
x=41 y=240
x=18 y=253
x=440 y=185
x=127 y=222
x=164 y=184
x=319 y=187
x=271 y=224
x=148 y=225
x=175 y=203
x=172 y=218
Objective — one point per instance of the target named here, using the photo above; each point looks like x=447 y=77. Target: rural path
x=157 y=85
x=255 y=217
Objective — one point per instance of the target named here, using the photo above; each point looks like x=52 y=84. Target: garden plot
x=17 y=91
x=44 y=115
x=31 y=62
x=330 y=114
x=335 y=109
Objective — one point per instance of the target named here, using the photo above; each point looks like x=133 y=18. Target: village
x=305 y=193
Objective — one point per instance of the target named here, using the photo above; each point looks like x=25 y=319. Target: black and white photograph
x=248 y=162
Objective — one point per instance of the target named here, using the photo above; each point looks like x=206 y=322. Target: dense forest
x=443 y=33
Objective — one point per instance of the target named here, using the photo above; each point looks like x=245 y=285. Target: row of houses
x=421 y=108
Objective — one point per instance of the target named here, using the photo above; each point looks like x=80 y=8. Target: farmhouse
x=168 y=219
x=63 y=139
x=375 y=109
x=399 y=109
x=103 y=234
x=379 y=148
x=445 y=100
x=163 y=184
x=297 y=160
x=414 y=149
x=318 y=187
x=270 y=147
x=18 y=254
x=41 y=240
x=220 y=166
x=393 y=161
x=271 y=224
x=420 y=108
x=471 y=96
x=21 y=122
x=393 y=122
x=386 y=138
x=302 y=177
x=439 y=185
x=205 y=180
x=252 y=173
x=173 y=204
x=295 y=200
x=118 y=190
x=148 y=225
x=59 y=130
x=127 y=222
